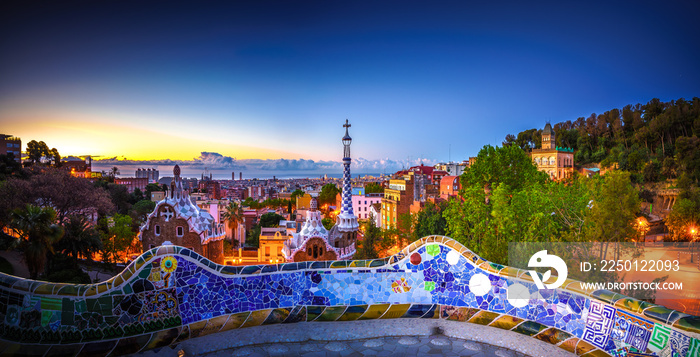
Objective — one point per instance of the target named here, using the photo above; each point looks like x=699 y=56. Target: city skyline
x=266 y=81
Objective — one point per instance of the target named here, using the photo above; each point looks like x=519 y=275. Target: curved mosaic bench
x=171 y=293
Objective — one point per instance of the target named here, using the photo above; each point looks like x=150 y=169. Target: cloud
x=216 y=161
x=211 y=160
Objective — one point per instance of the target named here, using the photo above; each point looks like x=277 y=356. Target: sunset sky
x=271 y=80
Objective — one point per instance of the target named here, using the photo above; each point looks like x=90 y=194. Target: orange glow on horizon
x=81 y=134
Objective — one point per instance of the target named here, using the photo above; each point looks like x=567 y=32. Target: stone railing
x=171 y=293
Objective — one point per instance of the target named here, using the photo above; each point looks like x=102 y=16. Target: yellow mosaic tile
x=235 y=321
x=583 y=347
x=483 y=317
x=396 y=311
x=331 y=313
x=596 y=353
x=162 y=338
x=214 y=325
x=353 y=313
x=569 y=345
x=44 y=289
x=506 y=322
x=197 y=327
x=576 y=287
x=256 y=318
x=374 y=311
x=629 y=304
x=553 y=336
x=462 y=314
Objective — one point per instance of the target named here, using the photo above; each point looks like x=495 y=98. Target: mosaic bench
x=170 y=293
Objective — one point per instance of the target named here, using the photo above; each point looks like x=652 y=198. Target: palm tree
x=37 y=232
x=80 y=239
x=114 y=171
x=233 y=216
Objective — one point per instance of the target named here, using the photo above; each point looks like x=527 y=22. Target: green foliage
x=37 y=232
x=120 y=197
x=613 y=210
x=141 y=209
x=79 y=239
x=269 y=203
x=270 y=220
x=430 y=221
x=152 y=187
x=296 y=193
x=39 y=153
x=373 y=187
x=253 y=237
x=9 y=167
x=495 y=165
x=631 y=137
x=117 y=236
x=327 y=223
x=328 y=194
x=233 y=215
x=684 y=216
x=375 y=241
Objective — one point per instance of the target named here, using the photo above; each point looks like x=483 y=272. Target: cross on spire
x=346 y=125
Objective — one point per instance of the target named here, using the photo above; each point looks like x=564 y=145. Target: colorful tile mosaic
x=171 y=293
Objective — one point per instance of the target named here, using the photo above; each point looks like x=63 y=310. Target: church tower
x=548 y=139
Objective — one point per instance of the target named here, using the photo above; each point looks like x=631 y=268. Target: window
x=157 y=230
x=267 y=251
x=9 y=145
x=180 y=232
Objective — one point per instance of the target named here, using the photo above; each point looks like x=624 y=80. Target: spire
x=346 y=219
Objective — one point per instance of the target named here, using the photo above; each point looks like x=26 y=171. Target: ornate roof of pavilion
x=199 y=221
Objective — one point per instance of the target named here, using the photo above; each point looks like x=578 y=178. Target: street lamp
x=693 y=233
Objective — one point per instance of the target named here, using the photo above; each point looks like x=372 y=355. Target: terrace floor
x=435 y=345
x=391 y=337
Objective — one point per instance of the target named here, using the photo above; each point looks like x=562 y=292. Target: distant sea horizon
x=129 y=170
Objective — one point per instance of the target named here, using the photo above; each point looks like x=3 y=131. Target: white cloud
x=214 y=161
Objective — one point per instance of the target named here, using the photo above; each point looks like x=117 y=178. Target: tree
x=117 y=236
x=613 y=210
x=50 y=187
x=328 y=194
x=296 y=193
x=152 y=187
x=429 y=221
x=9 y=167
x=141 y=210
x=36 y=152
x=375 y=242
x=270 y=220
x=37 y=231
x=367 y=247
x=233 y=215
x=253 y=237
x=374 y=187
x=487 y=188
x=80 y=239
x=113 y=172
x=327 y=223
x=120 y=197
x=136 y=196
x=510 y=165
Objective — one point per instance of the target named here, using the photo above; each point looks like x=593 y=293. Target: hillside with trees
x=653 y=141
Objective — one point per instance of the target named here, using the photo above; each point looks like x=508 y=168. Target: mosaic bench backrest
x=170 y=293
